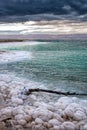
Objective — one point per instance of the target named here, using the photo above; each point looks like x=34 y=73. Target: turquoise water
x=57 y=65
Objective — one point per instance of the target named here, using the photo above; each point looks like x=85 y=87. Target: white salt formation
x=33 y=112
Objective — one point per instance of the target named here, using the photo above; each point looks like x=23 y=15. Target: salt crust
x=32 y=113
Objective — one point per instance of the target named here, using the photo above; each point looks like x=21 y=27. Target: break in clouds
x=56 y=7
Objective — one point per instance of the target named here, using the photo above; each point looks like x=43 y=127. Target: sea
x=54 y=65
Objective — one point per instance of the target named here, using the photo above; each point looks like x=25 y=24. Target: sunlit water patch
x=56 y=65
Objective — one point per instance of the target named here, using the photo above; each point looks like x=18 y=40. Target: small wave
x=12 y=56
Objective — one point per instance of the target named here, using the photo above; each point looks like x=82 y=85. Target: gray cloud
x=56 y=7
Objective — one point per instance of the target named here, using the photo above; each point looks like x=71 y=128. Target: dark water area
x=58 y=65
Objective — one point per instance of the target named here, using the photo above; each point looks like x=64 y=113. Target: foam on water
x=19 y=44
x=7 y=57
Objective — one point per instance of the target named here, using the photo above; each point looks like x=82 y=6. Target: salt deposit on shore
x=36 y=111
x=21 y=112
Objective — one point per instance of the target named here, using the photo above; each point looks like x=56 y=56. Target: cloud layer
x=56 y=7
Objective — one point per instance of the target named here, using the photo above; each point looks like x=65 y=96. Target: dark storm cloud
x=57 y=7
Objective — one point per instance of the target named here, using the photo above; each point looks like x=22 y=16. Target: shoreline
x=33 y=112
x=36 y=111
x=43 y=37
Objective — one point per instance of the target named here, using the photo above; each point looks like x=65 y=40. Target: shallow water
x=55 y=65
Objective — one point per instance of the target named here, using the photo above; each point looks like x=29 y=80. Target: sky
x=64 y=8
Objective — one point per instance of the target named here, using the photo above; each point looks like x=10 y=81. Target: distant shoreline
x=42 y=37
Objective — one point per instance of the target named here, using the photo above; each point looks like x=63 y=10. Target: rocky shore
x=37 y=111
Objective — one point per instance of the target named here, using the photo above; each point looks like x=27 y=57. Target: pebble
x=17 y=101
x=38 y=121
x=47 y=125
x=21 y=122
x=69 y=126
x=19 y=117
x=79 y=115
x=54 y=122
x=56 y=127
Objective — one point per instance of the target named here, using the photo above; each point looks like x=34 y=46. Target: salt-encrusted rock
x=79 y=115
x=63 y=102
x=19 y=117
x=51 y=108
x=54 y=122
x=50 y=115
x=74 y=106
x=38 y=127
x=81 y=124
x=19 y=127
x=69 y=126
x=51 y=128
x=47 y=125
x=85 y=127
x=23 y=117
x=33 y=123
x=28 y=125
x=17 y=110
x=42 y=105
x=75 y=111
x=6 y=111
x=32 y=97
x=28 y=111
x=62 y=127
x=69 y=111
x=2 y=83
x=28 y=118
x=2 y=102
x=56 y=127
x=17 y=101
x=58 y=117
x=21 y=122
x=26 y=107
x=45 y=115
x=37 y=104
x=38 y=121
